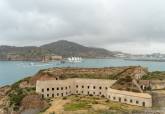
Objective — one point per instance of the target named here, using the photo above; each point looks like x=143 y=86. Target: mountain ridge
x=62 y=47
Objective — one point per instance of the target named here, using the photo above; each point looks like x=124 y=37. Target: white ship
x=74 y=59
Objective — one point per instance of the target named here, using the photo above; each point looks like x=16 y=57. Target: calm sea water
x=12 y=71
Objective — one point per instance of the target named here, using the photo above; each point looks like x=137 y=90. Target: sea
x=12 y=71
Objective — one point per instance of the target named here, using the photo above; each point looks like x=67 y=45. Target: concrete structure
x=92 y=87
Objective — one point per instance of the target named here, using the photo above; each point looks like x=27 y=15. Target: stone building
x=92 y=87
x=132 y=98
x=54 y=88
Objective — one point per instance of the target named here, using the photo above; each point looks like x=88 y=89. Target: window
x=125 y=100
x=61 y=88
x=76 y=91
x=57 y=88
x=57 y=94
x=61 y=94
x=106 y=88
x=88 y=92
x=94 y=87
x=130 y=100
x=69 y=86
x=47 y=95
x=109 y=96
x=47 y=89
x=88 y=87
x=56 y=78
x=52 y=95
x=137 y=102
x=76 y=86
x=100 y=87
x=42 y=90
x=52 y=89
x=42 y=95
x=119 y=99
x=66 y=93
x=100 y=93
x=94 y=93
x=66 y=88
x=143 y=103
x=82 y=86
x=114 y=98
x=82 y=92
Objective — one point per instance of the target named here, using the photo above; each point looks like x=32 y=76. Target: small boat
x=32 y=64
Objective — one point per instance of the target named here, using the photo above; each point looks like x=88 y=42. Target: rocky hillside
x=62 y=48
x=128 y=80
x=21 y=96
x=96 y=73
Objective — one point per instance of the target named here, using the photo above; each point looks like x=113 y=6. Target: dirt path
x=57 y=106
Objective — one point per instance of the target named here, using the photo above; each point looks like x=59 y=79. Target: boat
x=74 y=59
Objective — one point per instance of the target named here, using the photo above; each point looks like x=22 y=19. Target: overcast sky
x=133 y=26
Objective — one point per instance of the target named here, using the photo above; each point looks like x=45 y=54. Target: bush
x=16 y=97
x=64 y=98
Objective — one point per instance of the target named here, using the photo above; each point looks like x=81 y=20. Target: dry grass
x=88 y=105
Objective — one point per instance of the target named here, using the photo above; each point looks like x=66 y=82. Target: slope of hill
x=62 y=47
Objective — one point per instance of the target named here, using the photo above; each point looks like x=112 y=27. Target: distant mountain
x=66 y=48
x=62 y=47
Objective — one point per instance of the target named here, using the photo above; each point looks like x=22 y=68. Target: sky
x=131 y=26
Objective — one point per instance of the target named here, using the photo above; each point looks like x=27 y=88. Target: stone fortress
x=95 y=87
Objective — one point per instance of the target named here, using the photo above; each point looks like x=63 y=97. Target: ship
x=74 y=59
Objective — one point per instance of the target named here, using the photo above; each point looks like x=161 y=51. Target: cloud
x=129 y=25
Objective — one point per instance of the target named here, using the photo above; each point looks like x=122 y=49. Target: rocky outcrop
x=128 y=79
x=33 y=102
x=4 y=90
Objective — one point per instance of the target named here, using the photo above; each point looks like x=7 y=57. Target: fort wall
x=92 y=87
x=132 y=98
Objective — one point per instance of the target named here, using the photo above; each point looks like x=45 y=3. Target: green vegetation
x=77 y=106
x=88 y=103
x=16 y=96
x=16 y=93
x=157 y=75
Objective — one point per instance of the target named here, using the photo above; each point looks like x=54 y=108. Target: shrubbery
x=17 y=95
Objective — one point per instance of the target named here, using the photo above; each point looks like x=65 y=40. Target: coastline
x=152 y=60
